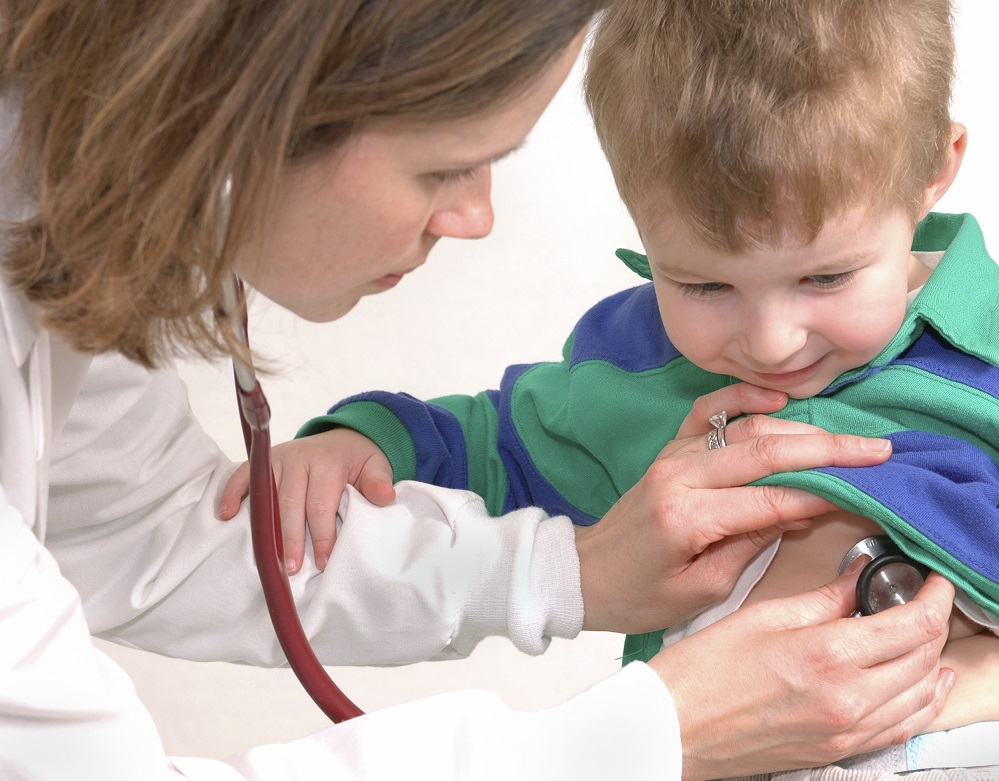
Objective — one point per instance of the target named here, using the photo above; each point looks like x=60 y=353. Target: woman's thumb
x=837 y=599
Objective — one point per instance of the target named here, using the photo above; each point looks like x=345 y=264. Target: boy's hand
x=311 y=474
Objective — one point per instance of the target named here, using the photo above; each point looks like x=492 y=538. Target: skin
x=774 y=316
x=355 y=223
x=830 y=686
x=808 y=558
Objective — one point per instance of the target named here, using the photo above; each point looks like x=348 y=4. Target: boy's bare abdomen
x=810 y=558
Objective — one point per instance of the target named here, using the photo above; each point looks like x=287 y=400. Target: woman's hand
x=678 y=540
x=792 y=682
x=311 y=474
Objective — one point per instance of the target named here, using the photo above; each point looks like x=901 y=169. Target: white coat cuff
x=532 y=593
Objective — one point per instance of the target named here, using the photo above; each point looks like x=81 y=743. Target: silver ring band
x=716 y=437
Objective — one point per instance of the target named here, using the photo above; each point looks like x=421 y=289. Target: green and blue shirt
x=572 y=436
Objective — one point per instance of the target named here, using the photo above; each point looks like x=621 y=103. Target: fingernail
x=321 y=561
x=876 y=445
x=291 y=566
x=858 y=564
x=223 y=508
x=796 y=525
x=946 y=681
x=767 y=393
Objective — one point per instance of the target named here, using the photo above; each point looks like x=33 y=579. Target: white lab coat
x=107 y=526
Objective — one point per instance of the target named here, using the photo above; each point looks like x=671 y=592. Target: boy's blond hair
x=755 y=121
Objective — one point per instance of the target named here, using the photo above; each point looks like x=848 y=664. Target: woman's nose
x=468 y=212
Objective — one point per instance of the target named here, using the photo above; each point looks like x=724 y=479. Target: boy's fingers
x=320 y=512
x=323 y=539
x=235 y=489
x=292 y=487
x=294 y=551
x=376 y=486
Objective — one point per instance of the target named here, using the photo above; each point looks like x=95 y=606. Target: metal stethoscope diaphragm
x=891 y=578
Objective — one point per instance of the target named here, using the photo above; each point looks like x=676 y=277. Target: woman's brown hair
x=133 y=113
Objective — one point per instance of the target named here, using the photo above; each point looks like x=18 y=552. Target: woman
x=355 y=134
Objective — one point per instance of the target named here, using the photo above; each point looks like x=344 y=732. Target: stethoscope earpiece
x=890 y=579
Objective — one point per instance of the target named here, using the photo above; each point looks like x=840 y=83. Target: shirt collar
x=20 y=323
x=19 y=317
x=959 y=299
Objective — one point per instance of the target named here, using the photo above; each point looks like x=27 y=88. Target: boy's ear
x=948 y=173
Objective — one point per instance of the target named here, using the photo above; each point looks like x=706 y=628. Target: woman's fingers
x=774 y=451
x=766 y=510
x=711 y=485
x=825 y=692
x=895 y=653
x=739 y=399
x=885 y=636
x=904 y=715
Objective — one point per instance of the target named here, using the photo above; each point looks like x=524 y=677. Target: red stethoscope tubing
x=265 y=524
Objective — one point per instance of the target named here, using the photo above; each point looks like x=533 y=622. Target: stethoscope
x=265 y=517
x=891 y=578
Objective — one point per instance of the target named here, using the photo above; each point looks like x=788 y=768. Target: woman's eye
x=457 y=175
x=701 y=289
x=829 y=281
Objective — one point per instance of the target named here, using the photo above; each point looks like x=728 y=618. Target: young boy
x=780 y=160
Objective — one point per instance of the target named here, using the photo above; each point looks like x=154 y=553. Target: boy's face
x=790 y=318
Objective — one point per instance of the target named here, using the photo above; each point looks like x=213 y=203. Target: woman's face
x=357 y=221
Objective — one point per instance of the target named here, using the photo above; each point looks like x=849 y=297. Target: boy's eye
x=700 y=289
x=830 y=280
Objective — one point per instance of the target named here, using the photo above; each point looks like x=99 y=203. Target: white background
x=451 y=328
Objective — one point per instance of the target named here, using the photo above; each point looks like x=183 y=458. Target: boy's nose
x=771 y=339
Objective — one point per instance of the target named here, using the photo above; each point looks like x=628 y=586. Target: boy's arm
x=429 y=441
x=569 y=436
x=537 y=441
x=375 y=439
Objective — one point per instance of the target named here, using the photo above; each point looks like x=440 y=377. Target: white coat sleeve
x=66 y=710
x=68 y=713
x=132 y=521
x=133 y=525
x=623 y=727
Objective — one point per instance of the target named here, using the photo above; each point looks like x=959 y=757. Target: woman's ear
x=948 y=173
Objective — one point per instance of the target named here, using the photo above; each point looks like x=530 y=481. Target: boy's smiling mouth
x=790 y=378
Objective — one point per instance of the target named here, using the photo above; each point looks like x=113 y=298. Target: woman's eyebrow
x=489 y=160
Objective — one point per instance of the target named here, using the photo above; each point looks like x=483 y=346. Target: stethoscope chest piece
x=890 y=579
